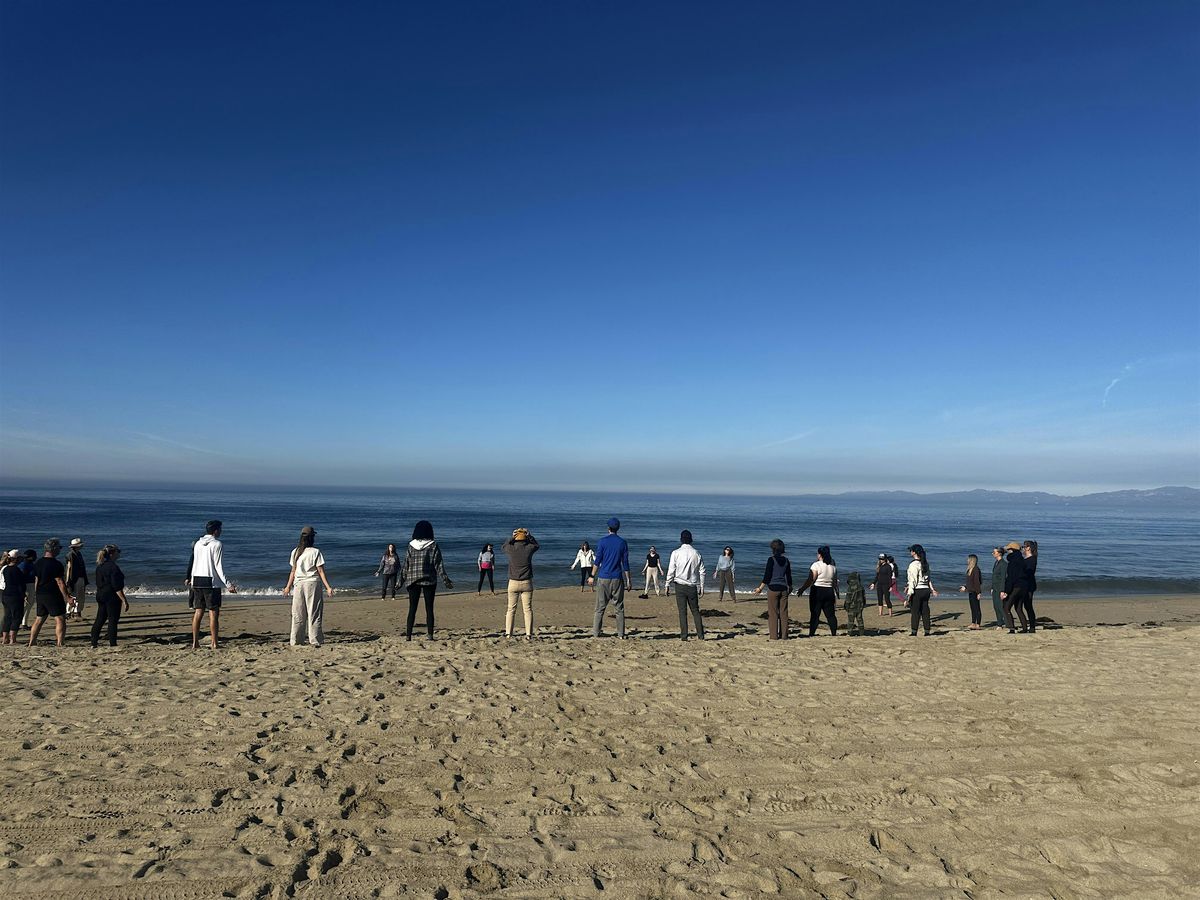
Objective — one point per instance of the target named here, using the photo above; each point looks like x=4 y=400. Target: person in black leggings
x=920 y=589
x=883 y=584
x=1029 y=551
x=1014 y=591
x=13 y=597
x=110 y=595
x=822 y=587
x=422 y=569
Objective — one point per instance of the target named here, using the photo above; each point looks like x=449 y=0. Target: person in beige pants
x=520 y=549
x=308 y=604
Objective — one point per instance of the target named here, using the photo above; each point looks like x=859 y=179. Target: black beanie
x=685 y=537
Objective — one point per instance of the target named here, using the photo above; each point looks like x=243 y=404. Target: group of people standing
x=55 y=589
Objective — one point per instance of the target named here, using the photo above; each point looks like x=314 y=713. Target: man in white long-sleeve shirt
x=686 y=572
x=206 y=581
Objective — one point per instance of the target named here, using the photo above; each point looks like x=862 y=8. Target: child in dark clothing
x=856 y=600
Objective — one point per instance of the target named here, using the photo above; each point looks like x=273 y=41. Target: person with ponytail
x=822 y=578
x=920 y=588
x=110 y=594
x=307 y=575
x=972 y=586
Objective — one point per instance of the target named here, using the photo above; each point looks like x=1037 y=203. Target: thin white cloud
x=787 y=440
x=1125 y=372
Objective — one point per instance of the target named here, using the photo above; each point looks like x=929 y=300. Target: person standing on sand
x=520 y=549
x=822 y=578
x=50 y=586
x=389 y=570
x=1029 y=551
x=487 y=569
x=206 y=583
x=12 y=595
x=856 y=601
x=777 y=581
x=585 y=560
x=611 y=575
x=110 y=594
x=920 y=588
x=308 y=606
x=686 y=573
x=725 y=575
x=28 y=561
x=422 y=569
x=76 y=578
x=973 y=585
x=882 y=585
x=999 y=572
x=1015 y=582
x=652 y=570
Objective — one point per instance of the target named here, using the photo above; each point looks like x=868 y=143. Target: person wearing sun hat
x=77 y=578
x=1013 y=594
x=12 y=591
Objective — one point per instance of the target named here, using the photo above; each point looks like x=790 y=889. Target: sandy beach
x=970 y=764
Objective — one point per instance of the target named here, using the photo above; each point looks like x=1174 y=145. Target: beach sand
x=970 y=764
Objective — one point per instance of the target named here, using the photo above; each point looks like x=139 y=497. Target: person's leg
x=785 y=621
x=197 y=617
x=511 y=612
x=30 y=604
x=60 y=630
x=101 y=618
x=492 y=580
x=657 y=590
x=694 y=603
x=914 y=613
x=527 y=609
x=214 y=627
x=925 y=611
x=976 y=612
x=299 y=613
x=114 y=618
x=583 y=577
x=619 y=603
x=80 y=596
x=1027 y=601
x=998 y=608
x=430 y=593
x=316 y=615
x=681 y=604
x=773 y=615
x=414 y=597
x=829 y=607
x=35 y=629
x=814 y=611
x=9 y=619
x=603 y=590
x=1018 y=598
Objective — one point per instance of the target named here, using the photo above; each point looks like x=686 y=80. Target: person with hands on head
x=520 y=549
x=308 y=606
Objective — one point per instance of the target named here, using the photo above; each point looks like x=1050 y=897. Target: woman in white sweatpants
x=307 y=576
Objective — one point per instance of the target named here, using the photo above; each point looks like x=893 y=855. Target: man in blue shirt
x=611 y=574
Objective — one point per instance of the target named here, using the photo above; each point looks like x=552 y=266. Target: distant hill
x=1159 y=497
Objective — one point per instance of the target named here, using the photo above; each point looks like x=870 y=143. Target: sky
x=754 y=247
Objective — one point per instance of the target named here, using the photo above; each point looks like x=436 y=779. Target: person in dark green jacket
x=856 y=599
x=999 y=573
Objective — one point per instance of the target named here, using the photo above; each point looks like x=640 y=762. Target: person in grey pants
x=999 y=573
x=611 y=575
x=686 y=573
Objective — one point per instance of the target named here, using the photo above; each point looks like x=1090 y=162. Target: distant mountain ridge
x=1176 y=496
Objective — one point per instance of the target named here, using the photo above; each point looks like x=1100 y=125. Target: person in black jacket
x=1015 y=587
x=13 y=595
x=110 y=594
x=1029 y=551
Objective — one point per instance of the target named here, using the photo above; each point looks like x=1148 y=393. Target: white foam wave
x=143 y=591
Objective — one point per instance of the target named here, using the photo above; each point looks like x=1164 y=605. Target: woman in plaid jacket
x=422 y=569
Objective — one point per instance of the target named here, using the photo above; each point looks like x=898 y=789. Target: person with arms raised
x=520 y=549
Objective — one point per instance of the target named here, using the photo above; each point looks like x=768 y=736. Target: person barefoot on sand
x=652 y=569
x=823 y=580
x=777 y=581
x=920 y=588
x=110 y=594
x=725 y=575
x=207 y=582
x=51 y=590
x=307 y=574
x=882 y=585
x=13 y=595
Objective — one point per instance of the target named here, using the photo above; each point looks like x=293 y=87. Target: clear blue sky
x=753 y=246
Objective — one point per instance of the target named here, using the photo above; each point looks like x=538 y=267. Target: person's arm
x=321 y=572
x=287 y=588
x=534 y=546
x=441 y=569
x=578 y=561
x=671 y=568
x=67 y=598
x=219 y=571
x=700 y=592
x=187 y=579
x=118 y=583
x=808 y=582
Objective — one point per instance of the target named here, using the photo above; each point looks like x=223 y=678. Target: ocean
x=1097 y=551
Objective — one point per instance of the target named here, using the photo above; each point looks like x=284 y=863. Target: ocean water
x=1081 y=551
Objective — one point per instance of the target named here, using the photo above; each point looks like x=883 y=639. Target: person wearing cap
x=206 y=583
x=882 y=585
x=110 y=594
x=76 y=578
x=1016 y=588
x=50 y=586
x=611 y=575
x=12 y=593
x=520 y=549
x=999 y=572
x=307 y=575
x=686 y=572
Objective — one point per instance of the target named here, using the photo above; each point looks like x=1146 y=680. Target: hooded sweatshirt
x=423 y=564
x=206 y=562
